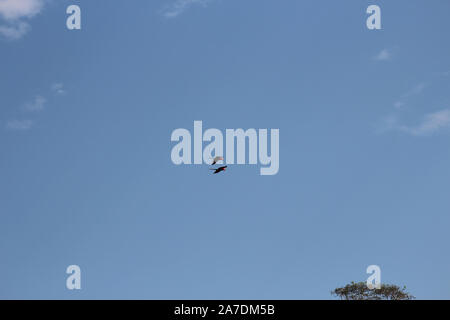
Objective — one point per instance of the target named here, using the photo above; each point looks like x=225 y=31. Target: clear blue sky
x=85 y=170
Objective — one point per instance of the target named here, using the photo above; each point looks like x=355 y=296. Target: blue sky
x=86 y=176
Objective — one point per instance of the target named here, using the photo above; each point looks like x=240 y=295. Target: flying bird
x=219 y=169
x=216 y=159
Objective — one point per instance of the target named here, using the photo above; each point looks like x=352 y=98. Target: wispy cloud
x=58 y=88
x=430 y=124
x=19 y=125
x=399 y=104
x=36 y=105
x=17 y=9
x=13 y=14
x=15 y=31
x=417 y=89
x=384 y=55
x=388 y=123
x=179 y=6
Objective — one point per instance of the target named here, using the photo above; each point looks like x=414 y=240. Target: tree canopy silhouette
x=360 y=291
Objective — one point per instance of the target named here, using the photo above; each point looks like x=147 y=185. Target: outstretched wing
x=217 y=159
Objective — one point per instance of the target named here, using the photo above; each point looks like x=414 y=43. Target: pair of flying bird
x=215 y=160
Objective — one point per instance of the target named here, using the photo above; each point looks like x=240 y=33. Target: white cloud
x=179 y=6
x=417 y=89
x=19 y=125
x=17 y=9
x=399 y=104
x=15 y=31
x=384 y=55
x=37 y=104
x=430 y=123
x=14 y=12
x=58 y=88
x=388 y=123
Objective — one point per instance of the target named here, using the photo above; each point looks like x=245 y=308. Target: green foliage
x=360 y=291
